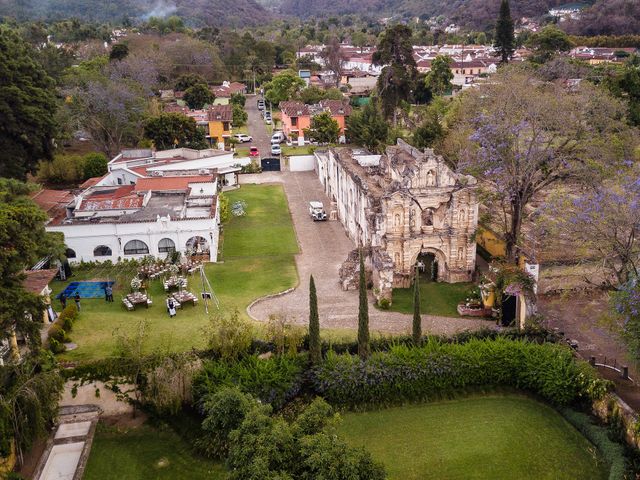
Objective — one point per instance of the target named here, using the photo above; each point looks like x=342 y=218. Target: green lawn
x=146 y=453
x=436 y=298
x=257 y=259
x=491 y=438
x=295 y=150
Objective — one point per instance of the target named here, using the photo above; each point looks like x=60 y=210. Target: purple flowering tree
x=603 y=222
x=520 y=136
x=625 y=304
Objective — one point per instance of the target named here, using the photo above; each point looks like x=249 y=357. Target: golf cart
x=316 y=210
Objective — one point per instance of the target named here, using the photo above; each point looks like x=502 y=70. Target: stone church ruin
x=405 y=208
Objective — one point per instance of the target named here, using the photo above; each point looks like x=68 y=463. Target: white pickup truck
x=316 y=211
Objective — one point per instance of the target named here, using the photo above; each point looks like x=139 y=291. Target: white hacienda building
x=149 y=203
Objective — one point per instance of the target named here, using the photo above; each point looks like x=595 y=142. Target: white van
x=277 y=137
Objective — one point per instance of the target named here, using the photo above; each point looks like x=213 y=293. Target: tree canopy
x=27 y=108
x=504 y=41
x=438 y=80
x=174 y=130
x=283 y=87
x=524 y=135
x=198 y=95
x=324 y=129
x=397 y=78
x=24 y=241
x=368 y=128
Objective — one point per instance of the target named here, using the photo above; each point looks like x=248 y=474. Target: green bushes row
x=612 y=452
x=407 y=373
x=58 y=333
x=275 y=380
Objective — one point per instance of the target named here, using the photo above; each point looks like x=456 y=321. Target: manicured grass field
x=257 y=259
x=436 y=298
x=492 y=438
x=296 y=150
x=146 y=453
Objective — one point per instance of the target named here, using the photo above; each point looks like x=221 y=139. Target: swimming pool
x=85 y=289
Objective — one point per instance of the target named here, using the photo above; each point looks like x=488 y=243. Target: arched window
x=166 y=245
x=69 y=253
x=197 y=245
x=102 y=251
x=136 y=247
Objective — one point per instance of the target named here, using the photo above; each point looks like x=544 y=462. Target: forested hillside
x=194 y=12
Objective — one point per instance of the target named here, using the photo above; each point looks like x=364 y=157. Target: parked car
x=260 y=105
x=243 y=138
x=316 y=211
x=275 y=149
x=267 y=121
x=278 y=137
x=253 y=152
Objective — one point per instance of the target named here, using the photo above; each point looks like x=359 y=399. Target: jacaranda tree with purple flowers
x=625 y=303
x=603 y=223
x=524 y=135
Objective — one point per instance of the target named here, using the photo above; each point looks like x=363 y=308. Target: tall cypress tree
x=363 y=315
x=505 y=39
x=417 y=321
x=314 y=324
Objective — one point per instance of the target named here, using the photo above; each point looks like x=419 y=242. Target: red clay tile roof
x=220 y=113
x=90 y=182
x=175 y=108
x=225 y=91
x=123 y=198
x=294 y=108
x=36 y=280
x=50 y=200
x=337 y=107
x=170 y=183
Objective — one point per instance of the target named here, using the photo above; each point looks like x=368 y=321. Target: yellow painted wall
x=491 y=243
x=216 y=130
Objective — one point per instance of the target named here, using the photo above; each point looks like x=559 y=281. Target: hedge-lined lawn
x=258 y=259
x=495 y=437
x=146 y=453
x=436 y=298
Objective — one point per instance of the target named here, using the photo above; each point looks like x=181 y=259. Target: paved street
x=257 y=127
x=324 y=246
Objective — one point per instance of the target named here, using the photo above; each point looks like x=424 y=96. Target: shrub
x=65 y=322
x=229 y=334
x=407 y=374
x=55 y=346
x=71 y=311
x=612 y=452
x=384 y=303
x=309 y=448
x=56 y=332
x=224 y=410
x=275 y=380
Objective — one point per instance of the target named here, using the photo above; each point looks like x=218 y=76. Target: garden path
x=324 y=246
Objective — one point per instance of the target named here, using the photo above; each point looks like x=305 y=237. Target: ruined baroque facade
x=404 y=207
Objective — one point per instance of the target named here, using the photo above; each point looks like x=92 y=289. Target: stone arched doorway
x=427 y=265
x=431 y=265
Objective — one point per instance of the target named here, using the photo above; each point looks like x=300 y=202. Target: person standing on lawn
x=171 y=307
x=108 y=291
x=76 y=299
x=63 y=300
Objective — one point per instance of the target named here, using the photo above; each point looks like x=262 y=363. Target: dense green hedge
x=612 y=452
x=408 y=374
x=275 y=380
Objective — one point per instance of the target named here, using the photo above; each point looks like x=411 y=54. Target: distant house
x=296 y=116
x=305 y=75
x=223 y=92
x=220 y=118
x=597 y=55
